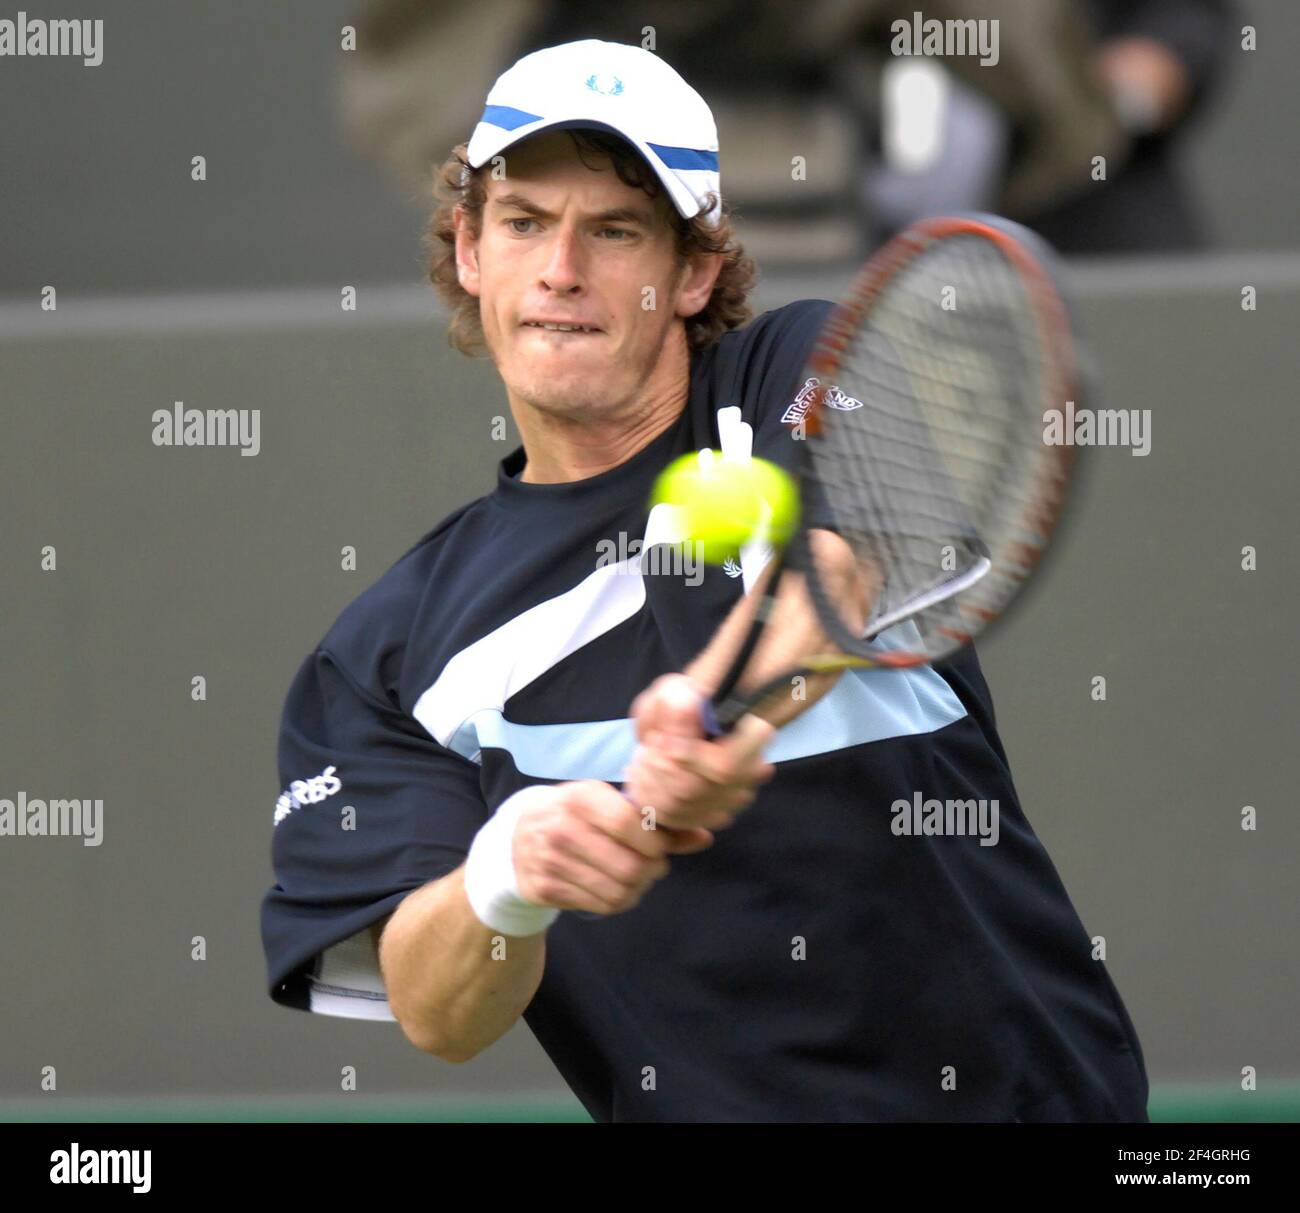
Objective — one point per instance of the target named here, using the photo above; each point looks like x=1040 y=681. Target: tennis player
x=776 y=925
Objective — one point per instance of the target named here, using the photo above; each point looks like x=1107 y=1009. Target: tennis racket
x=924 y=450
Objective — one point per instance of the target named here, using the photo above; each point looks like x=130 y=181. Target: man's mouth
x=557 y=327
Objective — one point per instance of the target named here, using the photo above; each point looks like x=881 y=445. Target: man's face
x=565 y=243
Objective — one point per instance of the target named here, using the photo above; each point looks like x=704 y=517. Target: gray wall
x=176 y=562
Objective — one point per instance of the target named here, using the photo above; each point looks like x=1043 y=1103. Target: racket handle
x=709 y=720
x=733 y=707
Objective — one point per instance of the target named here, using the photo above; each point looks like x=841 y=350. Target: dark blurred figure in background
x=833 y=139
x=1160 y=61
x=1076 y=79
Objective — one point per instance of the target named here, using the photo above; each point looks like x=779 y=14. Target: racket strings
x=931 y=477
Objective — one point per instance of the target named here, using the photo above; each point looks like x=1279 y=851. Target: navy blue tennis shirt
x=816 y=963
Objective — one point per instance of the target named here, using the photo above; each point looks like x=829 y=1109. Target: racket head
x=925 y=439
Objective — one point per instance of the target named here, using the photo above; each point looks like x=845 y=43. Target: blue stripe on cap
x=685 y=157
x=507 y=117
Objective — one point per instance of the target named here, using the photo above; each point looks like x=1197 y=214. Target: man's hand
x=586 y=847
x=1149 y=84
x=691 y=782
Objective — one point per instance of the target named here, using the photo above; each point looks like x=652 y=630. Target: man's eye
x=618 y=231
x=511 y=223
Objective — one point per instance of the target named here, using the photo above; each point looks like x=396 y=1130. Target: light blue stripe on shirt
x=864 y=706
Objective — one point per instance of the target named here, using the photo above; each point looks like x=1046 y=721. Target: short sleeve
x=372 y=809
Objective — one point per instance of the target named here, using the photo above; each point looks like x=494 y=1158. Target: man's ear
x=466 y=253
x=697 y=278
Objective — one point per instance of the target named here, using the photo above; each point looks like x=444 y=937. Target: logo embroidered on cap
x=611 y=86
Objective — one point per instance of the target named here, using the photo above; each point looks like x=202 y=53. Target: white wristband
x=490 y=882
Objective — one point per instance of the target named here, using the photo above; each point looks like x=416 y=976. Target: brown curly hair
x=457 y=185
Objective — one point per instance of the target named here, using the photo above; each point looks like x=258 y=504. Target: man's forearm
x=455 y=985
x=792 y=633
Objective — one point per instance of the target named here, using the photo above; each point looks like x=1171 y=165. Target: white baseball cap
x=616 y=87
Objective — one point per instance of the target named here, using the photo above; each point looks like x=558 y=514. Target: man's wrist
x=695 y=676
x=491 y=884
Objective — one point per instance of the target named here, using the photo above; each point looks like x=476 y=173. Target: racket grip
x=709 y=719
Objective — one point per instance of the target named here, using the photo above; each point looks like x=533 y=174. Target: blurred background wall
x=174 y=563
x=95 y=187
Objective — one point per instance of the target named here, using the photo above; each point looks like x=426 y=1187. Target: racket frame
x=1063 y=381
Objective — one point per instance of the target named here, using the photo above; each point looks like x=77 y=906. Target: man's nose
x=563 y=271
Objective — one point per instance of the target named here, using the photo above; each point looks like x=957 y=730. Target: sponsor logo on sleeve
x=307 y=791
x=835 y=399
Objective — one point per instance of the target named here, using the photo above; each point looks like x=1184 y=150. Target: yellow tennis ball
x=723 y=503
x=780 y=491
